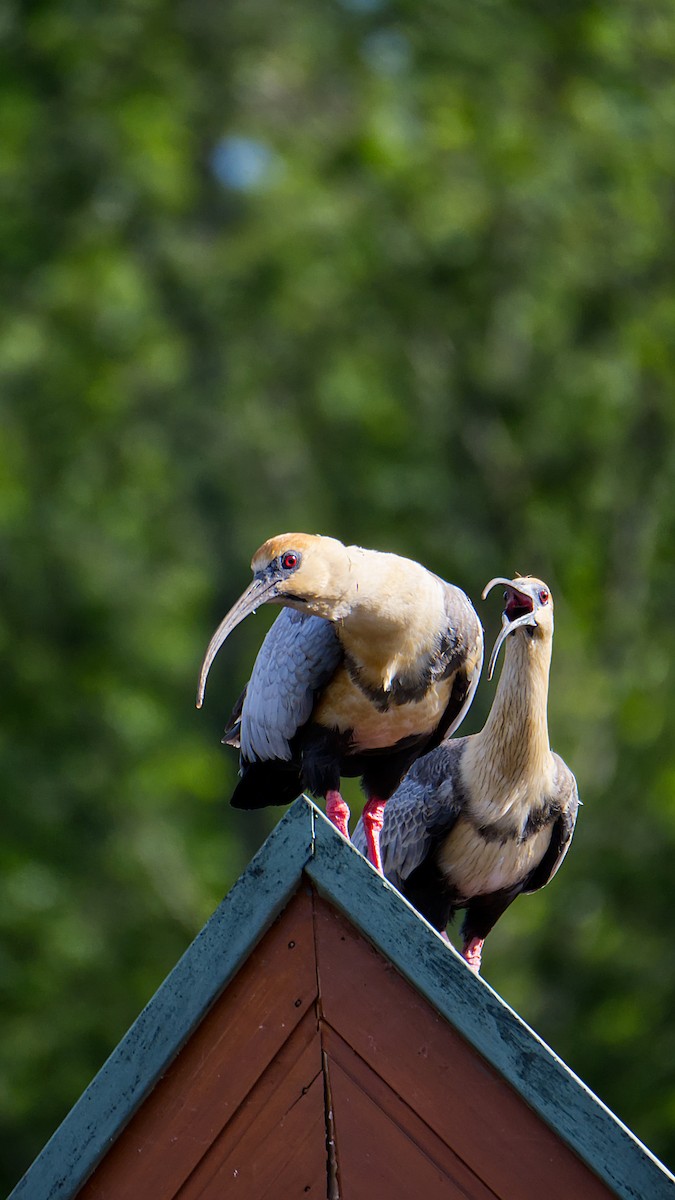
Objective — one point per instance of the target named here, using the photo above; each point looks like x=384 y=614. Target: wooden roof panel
x=422 y=1059
x=242 y=1106
x=215 y=1085
x=220 y=1065
x=383 y=1147
x=470 y=1006
x=276 y=1144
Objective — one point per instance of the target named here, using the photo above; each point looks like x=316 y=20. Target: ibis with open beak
x=482 y=819
x=373 y=661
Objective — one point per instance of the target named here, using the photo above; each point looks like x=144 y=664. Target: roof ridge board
x=479 y=1014
x=169 y=1017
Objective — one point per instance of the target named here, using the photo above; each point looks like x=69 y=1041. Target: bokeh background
x=399 y=272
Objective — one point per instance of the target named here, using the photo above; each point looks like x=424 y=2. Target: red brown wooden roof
x=320 y=1060
x=319 y=1039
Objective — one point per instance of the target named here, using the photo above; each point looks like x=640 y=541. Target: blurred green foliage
x=398 y=272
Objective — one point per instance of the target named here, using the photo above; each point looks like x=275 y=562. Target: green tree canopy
x=402 y=273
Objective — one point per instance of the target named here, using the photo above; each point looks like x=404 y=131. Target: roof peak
x=305 y=843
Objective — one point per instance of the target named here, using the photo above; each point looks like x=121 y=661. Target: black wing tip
x=266 y=784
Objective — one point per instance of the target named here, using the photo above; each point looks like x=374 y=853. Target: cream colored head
x=300 y=570
x=306 y=570
x=528 y=606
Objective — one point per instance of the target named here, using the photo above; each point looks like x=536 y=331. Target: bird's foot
x=373 y=817
x=472 y=953
x=338 y=812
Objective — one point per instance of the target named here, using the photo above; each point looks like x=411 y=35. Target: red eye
x=289 y=561
x=544 y=596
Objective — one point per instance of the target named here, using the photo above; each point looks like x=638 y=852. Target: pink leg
x=472 y=952
x=373 y=816
x=338 y=812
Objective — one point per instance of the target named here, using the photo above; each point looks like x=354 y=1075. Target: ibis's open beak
x=518 y=611
x=258 y=592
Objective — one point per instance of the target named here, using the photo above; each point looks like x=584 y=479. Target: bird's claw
x=472 y=953
x=373 y=819
x=338 y=812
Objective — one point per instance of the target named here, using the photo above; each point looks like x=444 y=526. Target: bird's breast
x=345 y=706
x=476 y=865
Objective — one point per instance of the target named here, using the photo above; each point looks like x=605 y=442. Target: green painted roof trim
x=169 y=1018
x=468 y=1003
x=305 y=841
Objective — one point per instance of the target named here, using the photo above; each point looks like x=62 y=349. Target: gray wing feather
x=297 y=658
x=425 y=804
x=566 y=795
x=463 y=651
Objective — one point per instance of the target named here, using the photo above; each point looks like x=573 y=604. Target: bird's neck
x=394 y=617
x=512 y=752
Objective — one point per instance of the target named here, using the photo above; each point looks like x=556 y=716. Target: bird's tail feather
x=266 y=783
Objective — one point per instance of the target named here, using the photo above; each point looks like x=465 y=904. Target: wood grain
x=383 y=1147
x=530 y=1067
x=151 y=1044
x=451 y=1088
x=217 y=1068
x=419 y=1053
x=275 y=1143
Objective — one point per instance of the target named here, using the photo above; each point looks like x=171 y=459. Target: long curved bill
x=508 y=626
x=258 y=591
